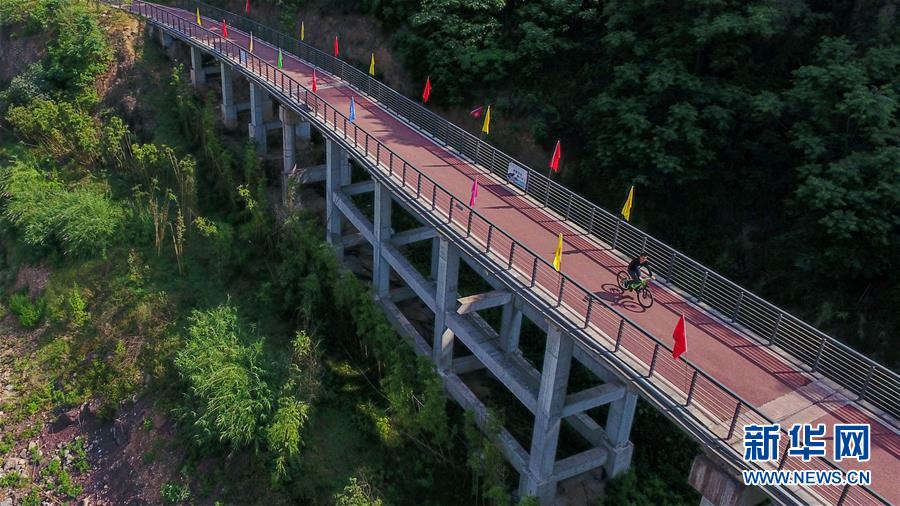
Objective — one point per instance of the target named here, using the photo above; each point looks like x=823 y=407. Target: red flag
x=315 y=88
x=476 y=112
x=427 y=92
x=335 y=46
x=474 y=194
x=224 y=29
x=680 y=336
x=247 y=7
x=554 y=162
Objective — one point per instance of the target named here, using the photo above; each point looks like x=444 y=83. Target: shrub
x=174 y=493
x=76 y=308
x=223 y=366
x=357 y=494
x=61 y=128
x=27 y=311
x=82 y=221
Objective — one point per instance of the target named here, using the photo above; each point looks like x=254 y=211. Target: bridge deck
x=775 y=386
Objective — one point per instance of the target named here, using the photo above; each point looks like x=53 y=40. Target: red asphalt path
x=761 y=377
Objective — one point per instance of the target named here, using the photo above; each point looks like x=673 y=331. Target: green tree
x=846 y=133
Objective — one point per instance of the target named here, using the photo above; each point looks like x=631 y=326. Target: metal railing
x=820 y=353
x=705 y=407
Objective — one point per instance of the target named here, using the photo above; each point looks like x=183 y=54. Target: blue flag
x=352 y=110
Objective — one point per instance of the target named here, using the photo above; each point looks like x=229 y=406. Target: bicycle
x=641 y=288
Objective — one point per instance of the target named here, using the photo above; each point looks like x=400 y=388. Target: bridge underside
x=460 y=341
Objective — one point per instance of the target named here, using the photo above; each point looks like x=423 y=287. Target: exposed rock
x=120 y=432
x=66 y=419
x=14 y=464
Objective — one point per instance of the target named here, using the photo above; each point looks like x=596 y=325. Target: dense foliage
x=762 y=136
x=173 y=280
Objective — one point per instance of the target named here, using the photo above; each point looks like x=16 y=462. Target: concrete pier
x=229 y=109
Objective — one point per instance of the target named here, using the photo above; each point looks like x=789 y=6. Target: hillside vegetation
x=163 y=339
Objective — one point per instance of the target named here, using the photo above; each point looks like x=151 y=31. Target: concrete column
x=511 y=325
x=198 y=75
x=229 y=109
x=288 y=148
x=165 y=39
x=259 y=103
x=618 y=430
x=333 y=154
x=445 y=301
x=381 y=270
x=551 y=399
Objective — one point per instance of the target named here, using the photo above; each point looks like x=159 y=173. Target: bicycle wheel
x=623 y=279
x=645 y=298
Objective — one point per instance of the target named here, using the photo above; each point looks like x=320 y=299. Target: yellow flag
x=199 y=22
x=251 y=42
x=372 y=65
x=302 y=31
x=557 y=258
x=626 y=209
x=486 y=127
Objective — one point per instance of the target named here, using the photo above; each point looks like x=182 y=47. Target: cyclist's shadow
x=616 y=296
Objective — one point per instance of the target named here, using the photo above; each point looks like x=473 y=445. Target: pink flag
x=474 y=194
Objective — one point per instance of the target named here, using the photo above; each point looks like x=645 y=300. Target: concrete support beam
x=260 y=106
x=445 y=301
x=288 y=148
x=467 y=364
x=381 y=270
x=591 y=398
x=424 y=288
x=529 y=311
x=414 y=235
x=314 y=174
x=198 y=74
x=402 y=293
x=577 y=464
x=333 y=221
x=511 y=325
x=359 y=188
x=548 y=416
x=481 y=301
x=518 y=376
x=229 y=109
x=353 y=240
x=618 y=430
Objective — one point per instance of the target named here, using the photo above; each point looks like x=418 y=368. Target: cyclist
x=634 y=268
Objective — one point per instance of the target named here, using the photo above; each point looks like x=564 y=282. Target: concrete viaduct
x=427 y=174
